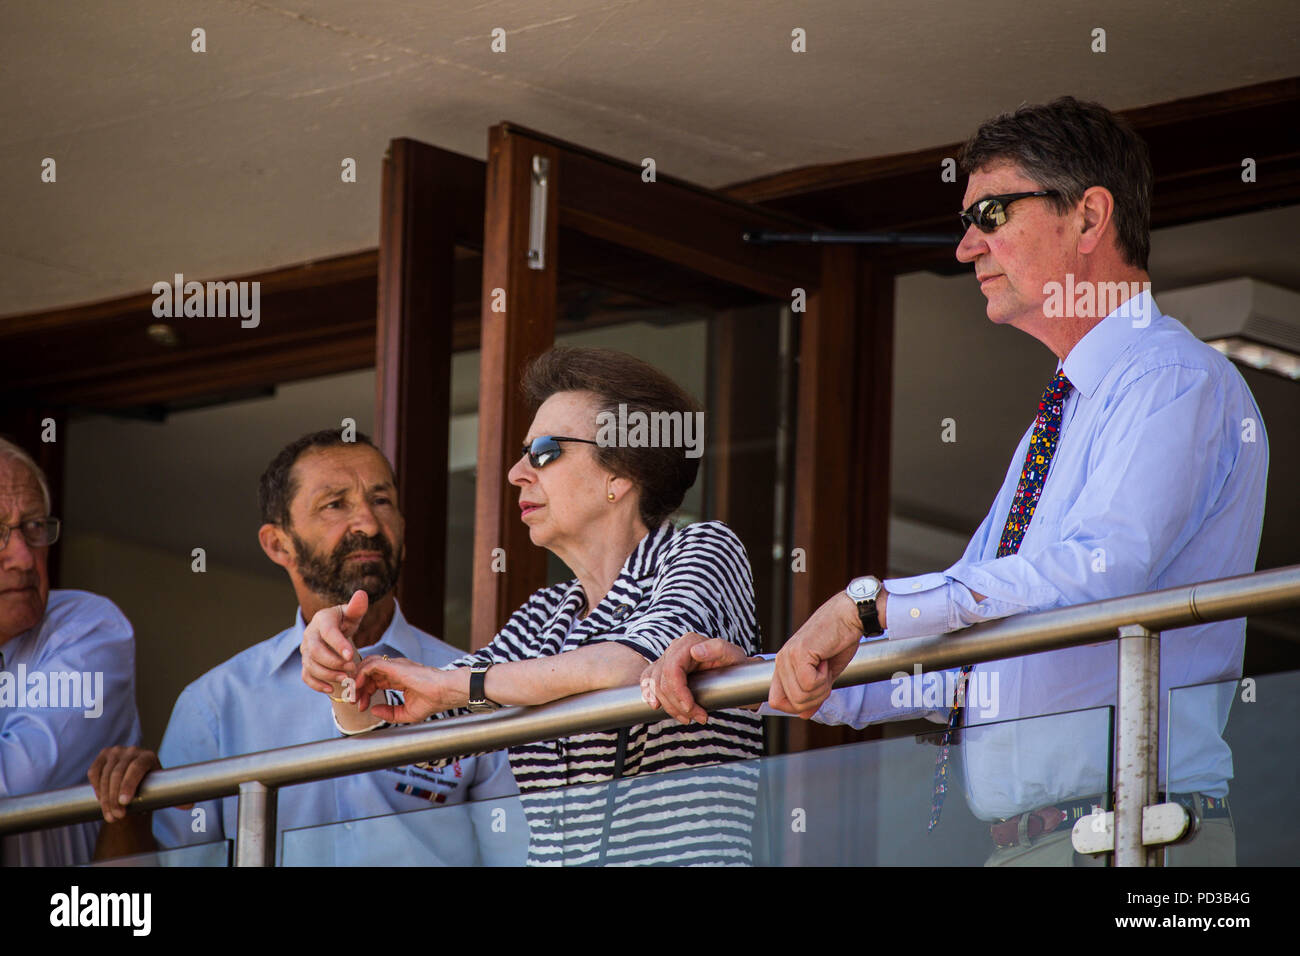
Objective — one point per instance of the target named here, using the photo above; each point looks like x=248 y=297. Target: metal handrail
x=1221 y=599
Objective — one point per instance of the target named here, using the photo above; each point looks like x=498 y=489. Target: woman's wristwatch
x=864 y=591
x=478 y=700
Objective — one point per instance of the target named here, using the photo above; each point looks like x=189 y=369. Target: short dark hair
x=1070 y=145
x=277 y=486
x=662 y=475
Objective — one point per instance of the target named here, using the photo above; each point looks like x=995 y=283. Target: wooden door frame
x=687 y=226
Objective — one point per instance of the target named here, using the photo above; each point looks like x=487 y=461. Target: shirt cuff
x=364 y=730
x=918 y=606
x=378 y=725
x=937 y=604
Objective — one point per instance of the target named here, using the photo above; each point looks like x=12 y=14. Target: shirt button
x=622 y=611
x=916 y=612
x=916 y=586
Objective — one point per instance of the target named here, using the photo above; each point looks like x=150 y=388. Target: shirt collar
x=1095 y=353
x=644 y=561
x=399 y=637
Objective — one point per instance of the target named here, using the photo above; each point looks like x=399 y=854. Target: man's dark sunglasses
x=991 y=211
x=544 y=449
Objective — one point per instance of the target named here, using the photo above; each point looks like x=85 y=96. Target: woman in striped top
x=640 y=583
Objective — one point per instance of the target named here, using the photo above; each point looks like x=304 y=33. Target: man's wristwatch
x=478 y=701
x=864 y=591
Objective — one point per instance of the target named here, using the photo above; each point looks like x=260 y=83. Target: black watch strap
x=869 y=615
x=477 y=681
x=865 y=592
x=478 y=699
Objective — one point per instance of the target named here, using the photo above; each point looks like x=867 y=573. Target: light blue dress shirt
x=257 y=701
x=1158 y=481
x=82 y=658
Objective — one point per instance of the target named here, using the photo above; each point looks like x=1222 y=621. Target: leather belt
x=1023 y=828
x=1203 y=807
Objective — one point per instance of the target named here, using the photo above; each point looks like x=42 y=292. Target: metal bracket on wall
x=537 y=213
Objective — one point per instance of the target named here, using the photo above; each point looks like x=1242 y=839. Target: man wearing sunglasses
x=1144 y=468
x=67 y=670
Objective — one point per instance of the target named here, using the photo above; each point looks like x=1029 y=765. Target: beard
x=334 y=578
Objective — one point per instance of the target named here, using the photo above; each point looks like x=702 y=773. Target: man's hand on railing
x=663 y=683
x=328 y=657
x=116 y=775
x=810 y=661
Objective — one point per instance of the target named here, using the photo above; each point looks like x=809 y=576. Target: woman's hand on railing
x=328 y=657
x=425 y=690
x=116 y=775
x=663 y=683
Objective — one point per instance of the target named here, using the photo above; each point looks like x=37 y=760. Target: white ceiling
x=228 y=161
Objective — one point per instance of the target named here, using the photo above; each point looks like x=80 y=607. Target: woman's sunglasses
x=544 y=449
x=991 y=211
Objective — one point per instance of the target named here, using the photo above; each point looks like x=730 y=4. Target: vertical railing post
x=255 y=841
x=1137 y=749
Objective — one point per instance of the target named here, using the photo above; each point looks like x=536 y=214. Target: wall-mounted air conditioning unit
x=1249 y=321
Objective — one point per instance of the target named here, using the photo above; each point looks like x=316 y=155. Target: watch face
x=864 y=589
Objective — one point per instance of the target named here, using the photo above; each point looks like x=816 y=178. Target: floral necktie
x=1042 y=446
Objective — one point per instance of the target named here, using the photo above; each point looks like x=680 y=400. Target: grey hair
x=11 y=451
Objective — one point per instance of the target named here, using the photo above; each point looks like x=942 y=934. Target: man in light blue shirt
x=67 y=670
x=1183 y=502
x=332 y=521
x=1157 y=480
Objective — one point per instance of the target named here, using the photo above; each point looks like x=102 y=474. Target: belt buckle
x=1022 y=829
x=1021 y=820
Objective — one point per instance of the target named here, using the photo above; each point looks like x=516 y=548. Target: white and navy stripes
x=697 y=579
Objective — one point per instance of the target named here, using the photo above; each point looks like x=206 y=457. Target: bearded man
x=331 y=520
